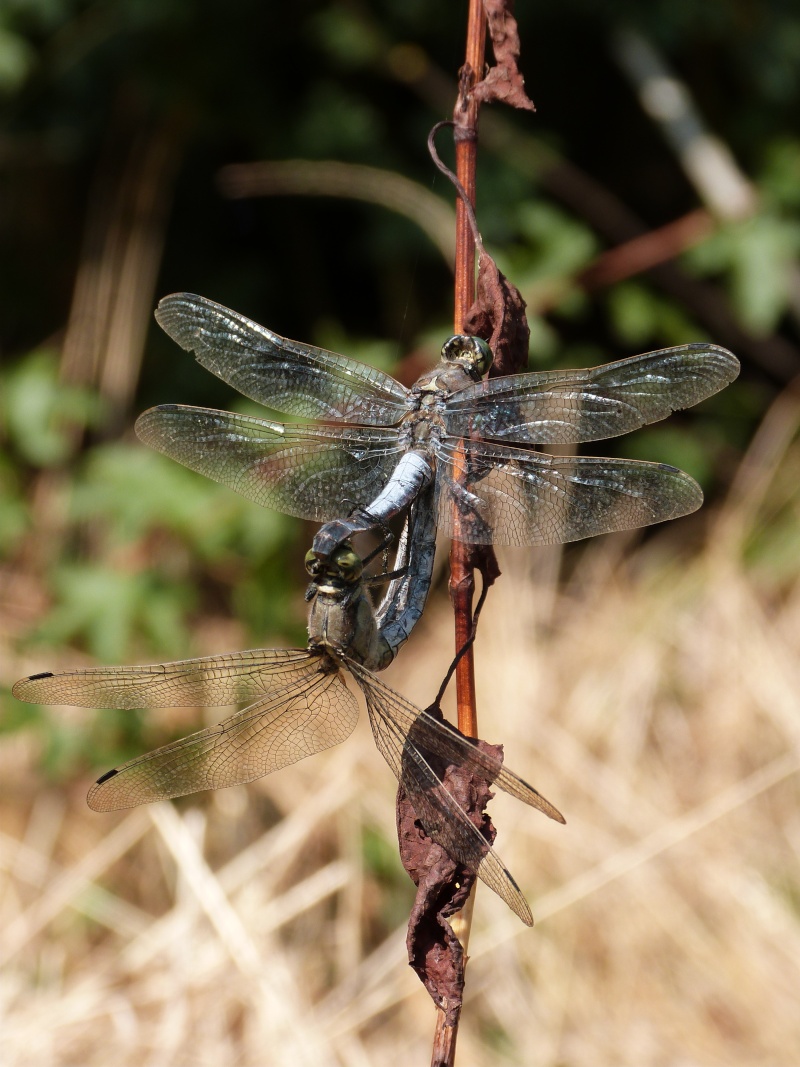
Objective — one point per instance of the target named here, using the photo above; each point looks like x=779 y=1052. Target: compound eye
x=484 y=357
x=348 y=564
x=453 y=348
x=313 y=565
x=472 y=352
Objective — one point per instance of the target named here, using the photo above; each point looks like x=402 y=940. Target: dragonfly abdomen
x=413 y=473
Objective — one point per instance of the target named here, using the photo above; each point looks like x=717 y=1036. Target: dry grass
x=655 y=697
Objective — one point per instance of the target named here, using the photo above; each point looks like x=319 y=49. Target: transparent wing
x=306 y=716
x=282 y=374
x=492 y=494
x=312 y=472
x=404 y=736
x=564 y=406
x=211 y=681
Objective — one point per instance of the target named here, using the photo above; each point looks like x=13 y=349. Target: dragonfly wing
x=306 y=716
x=312 y=472
x=442 y=739
x=211 y=681
x=393 y=719
x=492 y=494
x=282 y=374
x=548 y=407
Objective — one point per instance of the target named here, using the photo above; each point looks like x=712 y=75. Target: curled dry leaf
x=498 y=315
x=503 y=82
x=443 y=885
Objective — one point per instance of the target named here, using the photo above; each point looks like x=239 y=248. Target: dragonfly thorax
x=341 y=620
x=454 y=372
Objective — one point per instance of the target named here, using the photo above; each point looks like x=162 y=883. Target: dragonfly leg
x=385 y=576
x=471 y=508
x=388 y=536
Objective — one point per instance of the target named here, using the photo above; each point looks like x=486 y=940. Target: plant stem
x=462 y=580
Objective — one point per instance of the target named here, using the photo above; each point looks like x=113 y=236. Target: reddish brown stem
x=444 y=1044
x=462 y=581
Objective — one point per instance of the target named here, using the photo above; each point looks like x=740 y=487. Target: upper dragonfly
x=297 y=703
x=378 y=443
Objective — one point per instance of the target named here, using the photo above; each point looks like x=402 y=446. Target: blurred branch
x=707 y=162
x=114 y=290
x=301 y=177
x=650 y=250
x=116 y=277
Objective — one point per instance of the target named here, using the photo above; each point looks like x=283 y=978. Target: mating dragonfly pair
x=456 y=452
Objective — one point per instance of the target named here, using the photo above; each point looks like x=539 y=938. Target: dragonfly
x=367 y=445
x=297 y=703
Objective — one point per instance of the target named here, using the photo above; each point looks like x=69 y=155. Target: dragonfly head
x=472 y=353
x=343 y=566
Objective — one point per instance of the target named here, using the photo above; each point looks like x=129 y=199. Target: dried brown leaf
x=443 y=884
x=498 y=315
x=503 y=82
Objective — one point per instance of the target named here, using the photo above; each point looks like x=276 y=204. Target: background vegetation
x=648 y=684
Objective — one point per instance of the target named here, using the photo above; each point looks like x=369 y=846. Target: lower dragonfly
x=297 y=703
x=377 y=444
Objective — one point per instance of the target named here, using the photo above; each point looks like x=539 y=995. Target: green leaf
x=14 y=513
x=758 y=255
x=106 y=608
x=39 y=413
x=16 y=60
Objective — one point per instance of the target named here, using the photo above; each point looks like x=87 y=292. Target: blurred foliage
x=37 y=411
x=132 y=552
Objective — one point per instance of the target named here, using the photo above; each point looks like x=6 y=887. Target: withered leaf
x=498 y=315
x=443 y=884
x=503 y=82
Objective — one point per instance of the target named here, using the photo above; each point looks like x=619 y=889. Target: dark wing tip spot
x=37 y=677
x=513 y=880
x=106 y=776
